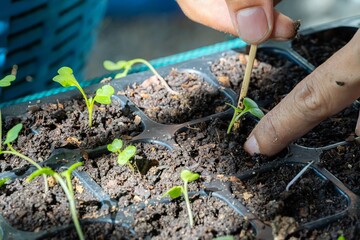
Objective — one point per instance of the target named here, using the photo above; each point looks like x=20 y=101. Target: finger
x=215 y=14
x=330 y=88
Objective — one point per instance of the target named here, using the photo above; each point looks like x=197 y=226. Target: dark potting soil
x=24 y=206
x=196 y=98
x=309 y=199
x=320 y=46
x=344 y=163
x=58 y=125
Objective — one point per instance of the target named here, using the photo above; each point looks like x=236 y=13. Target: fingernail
x=252 y=24
x=251 y=145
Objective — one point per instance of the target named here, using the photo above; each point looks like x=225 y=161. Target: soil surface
x=196 y=99
x=318 y=47
x=203 y=147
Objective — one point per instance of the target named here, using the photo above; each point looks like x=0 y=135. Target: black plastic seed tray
x=296 y=156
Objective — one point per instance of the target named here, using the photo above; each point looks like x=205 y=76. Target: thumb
x=256 y=21
x=326 y=91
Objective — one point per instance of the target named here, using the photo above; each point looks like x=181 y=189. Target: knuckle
x=311 y=101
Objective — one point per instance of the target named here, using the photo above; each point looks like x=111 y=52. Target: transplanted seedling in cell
x=125 y=67
x=64 y=179
x=250 y=106
x=11 y=136
x=124 y=155
x=176 y=191
x=103 y=95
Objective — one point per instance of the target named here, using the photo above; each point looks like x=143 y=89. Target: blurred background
x=156 y=28
x=37 y=37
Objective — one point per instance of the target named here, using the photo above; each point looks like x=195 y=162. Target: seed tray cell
x=189 y=131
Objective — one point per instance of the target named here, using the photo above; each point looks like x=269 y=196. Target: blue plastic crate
x=39 y=36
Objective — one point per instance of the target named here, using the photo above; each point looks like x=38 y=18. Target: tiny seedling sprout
x=64 y=179
x=125 y=66
x=124 y=155
x=176 y=191
x=103 y=95
x=250 y=106
x=6 y=81
x=11 y=136
x=3 y=181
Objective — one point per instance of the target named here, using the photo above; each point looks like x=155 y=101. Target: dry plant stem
x=162 y=80
x=245 y=82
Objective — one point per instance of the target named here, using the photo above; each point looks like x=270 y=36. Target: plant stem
x=162 y=80
x=14 y=152
x=246 y=81
x=90 y=106
x=186 y=197
x=0 y=131
x=70 y=196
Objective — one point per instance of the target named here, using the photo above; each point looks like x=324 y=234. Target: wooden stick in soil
x=246 y=80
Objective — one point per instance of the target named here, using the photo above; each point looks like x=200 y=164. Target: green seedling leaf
x=188 y=176
x=256 y=112
x=41 y=171
x=6 y=81
x=115 y=146
x=103 y=94
x=229 y=237
x=249 y=103
x=126 y=154
x=66 y=77
x=3 y=181
x=111 y=66
x=341 y=237
x=174 y=192
x=13 y=133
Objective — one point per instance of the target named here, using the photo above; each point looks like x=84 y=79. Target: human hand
x=314 y=99
x=254 y=21
x=333 y=86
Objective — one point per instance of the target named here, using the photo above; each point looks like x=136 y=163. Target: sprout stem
x=186 y=197
x=298 y=176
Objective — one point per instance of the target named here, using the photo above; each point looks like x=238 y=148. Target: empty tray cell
x=309 y=199
x=197 y=98
x=344 y=163
x=337 y=128
x=273 y=75
x=213 y=151
x=65 y=125
x=319 y=46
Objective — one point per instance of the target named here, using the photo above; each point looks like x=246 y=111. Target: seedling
x=249 y=107
x=11 y=136
x=125 y=66
x=124 y=155
x=298 y=176
x=103 y=95
x=6 y=81
x=176 y=191
x=3 y=181
x=64 y=179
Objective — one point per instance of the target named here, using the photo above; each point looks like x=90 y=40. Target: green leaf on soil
x=3 y=181
x=103 y=94
x=115 y=146
x=66 y=77
x=126 y=154
x=46 y=170
x=174 y=192
x=13 y=133
x=188 y=176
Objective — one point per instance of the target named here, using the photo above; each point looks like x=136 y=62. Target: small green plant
x=3 y=181
x=64 y=179
x=103 y=95
x=125 y=67
x=6 y=81
x=250 y=106
x=124 y=155
x=176 y=191
x=11 y=136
